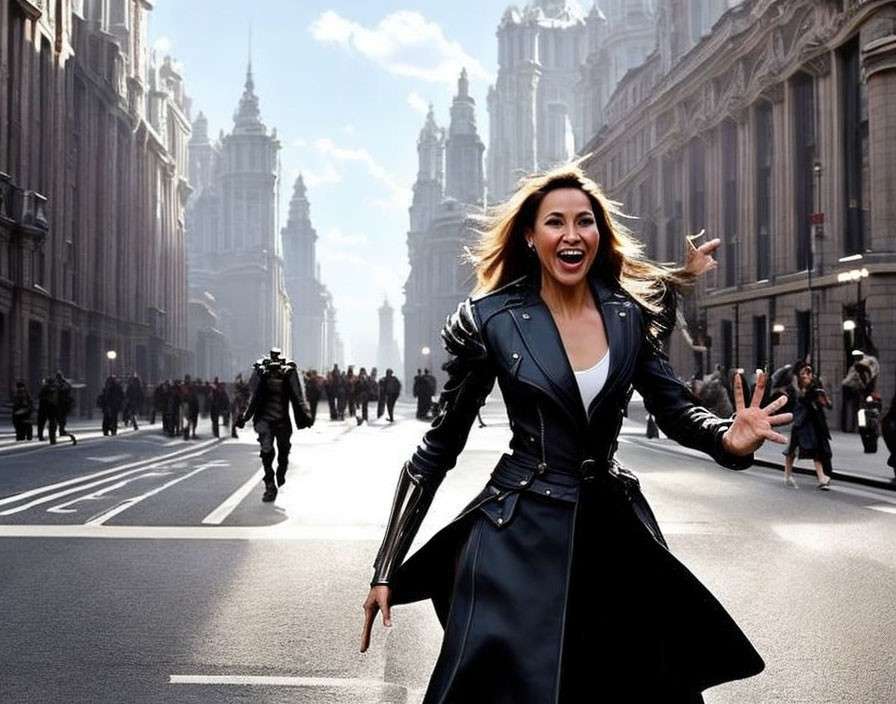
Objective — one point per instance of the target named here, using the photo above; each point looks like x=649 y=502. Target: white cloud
x=418 y=104
x=343 y=155
x=350 y=130
x=339 y=237
x=162 y=45
x=298 y=142
x=317 y=177
x=404 y=43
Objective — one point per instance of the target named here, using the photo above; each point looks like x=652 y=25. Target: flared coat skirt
x=565 y=596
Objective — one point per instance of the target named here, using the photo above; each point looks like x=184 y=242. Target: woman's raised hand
x=753 y=425
x=699 y=260
x=377 y=600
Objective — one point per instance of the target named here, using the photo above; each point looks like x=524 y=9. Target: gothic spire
x=248 y=116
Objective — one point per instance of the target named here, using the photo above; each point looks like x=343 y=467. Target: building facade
x=772 y=125
x=92 y=193
x=449 y=187
x=236 y=273
x=313 y=314
x=557 y=66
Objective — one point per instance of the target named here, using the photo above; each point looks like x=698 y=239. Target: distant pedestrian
x=714 y=394
x=392 y=389
x=110 y=401
x=313 y=383
x=22 y=408
x=218 y=405
x=809 y=437
x=869 y=421
x=888 y=433
x=239 y=403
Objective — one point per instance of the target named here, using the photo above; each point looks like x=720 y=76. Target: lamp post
x=816 y=221
x=111 y=355
x=860 y=321
x=425 y=352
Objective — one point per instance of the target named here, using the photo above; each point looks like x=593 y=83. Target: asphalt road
x=141 y=569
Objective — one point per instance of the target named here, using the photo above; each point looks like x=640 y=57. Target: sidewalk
x=849 y=460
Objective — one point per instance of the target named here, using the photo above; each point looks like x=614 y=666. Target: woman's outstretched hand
x=377 y=600
x=699 y=260
x=753 y=425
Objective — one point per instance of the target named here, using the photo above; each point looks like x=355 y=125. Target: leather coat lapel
x=622 y=326
x=542 y=339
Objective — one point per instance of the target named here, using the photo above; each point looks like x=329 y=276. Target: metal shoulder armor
x=461 y=335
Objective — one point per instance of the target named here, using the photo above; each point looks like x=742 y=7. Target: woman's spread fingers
x=759 y=391
x=738 y=393
x=776 y=437
x=781 y=418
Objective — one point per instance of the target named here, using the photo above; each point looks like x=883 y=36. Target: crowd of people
x=179 y=403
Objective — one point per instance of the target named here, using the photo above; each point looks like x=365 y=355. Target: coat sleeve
x=471 y=376
x=677 y=410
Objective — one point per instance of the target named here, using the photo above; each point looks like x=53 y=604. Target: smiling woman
x=556 y=577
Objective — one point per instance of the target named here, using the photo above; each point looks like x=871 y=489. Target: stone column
x=878 y=42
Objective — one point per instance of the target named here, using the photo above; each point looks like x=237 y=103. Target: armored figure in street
x=274 y=385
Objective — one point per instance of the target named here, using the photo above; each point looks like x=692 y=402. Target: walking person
x=110 y=401
x=22 y=408
x=274 y=386
x=391 y=391
x=809 y=437
x=888 y=433
x=556 y=579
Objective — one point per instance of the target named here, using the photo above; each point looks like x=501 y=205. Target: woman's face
x=805 y=376
x=565 y=235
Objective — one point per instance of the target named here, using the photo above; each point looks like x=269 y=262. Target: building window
x=729 y=200
x=855 y=150
x=727 y=338
x=760 y=342
x=764 y=158
x=803 y=87
x=803 y=334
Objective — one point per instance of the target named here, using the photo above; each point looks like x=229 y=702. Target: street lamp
x=424 y=351
x=111 y=355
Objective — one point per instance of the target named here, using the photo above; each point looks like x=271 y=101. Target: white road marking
x=110 y=458
x=282 y=531
x=218 y=516
x=134 y=500
x=80 y=486
x=883 y=508
x=64 y=507
x=282 y=681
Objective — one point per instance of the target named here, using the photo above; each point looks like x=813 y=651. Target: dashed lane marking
x=218 y=516
x=70 y=486
x=282 y=531
x=283 y=681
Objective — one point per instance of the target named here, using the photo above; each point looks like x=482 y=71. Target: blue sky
x=346 y=84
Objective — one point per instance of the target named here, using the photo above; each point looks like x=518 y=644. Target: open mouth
x=571 y=258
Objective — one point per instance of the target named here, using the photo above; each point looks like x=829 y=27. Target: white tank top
x=592 y=380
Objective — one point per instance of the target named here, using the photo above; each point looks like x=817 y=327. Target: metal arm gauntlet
x=412 y=500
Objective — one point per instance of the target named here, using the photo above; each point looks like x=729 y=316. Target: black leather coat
x=556 y=579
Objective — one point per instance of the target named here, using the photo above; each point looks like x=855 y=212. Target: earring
x=531 y=246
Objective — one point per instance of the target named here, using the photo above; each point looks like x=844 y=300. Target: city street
x=139 y=568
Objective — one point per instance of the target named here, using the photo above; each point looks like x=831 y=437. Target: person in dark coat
x=556 y=579
x=363 y=383
x=869 y=421
x=275 y=384
x=391 y=392
x=418 y=392
x=22 y=408
x=133 y=402
x=218 y=405
x=111 y=400
x=381 y=397
x=810 y=438
x=888 y=433
x=313 y=391
x=239 y=403
x=47 y=403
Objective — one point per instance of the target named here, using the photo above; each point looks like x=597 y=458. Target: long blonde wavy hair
x=501 y=254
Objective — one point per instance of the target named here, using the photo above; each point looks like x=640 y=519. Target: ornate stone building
x=557 y=65
x=236 y=265
x=772 y=125
x=313 y=314
x=92 y=194
x=443 y=197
